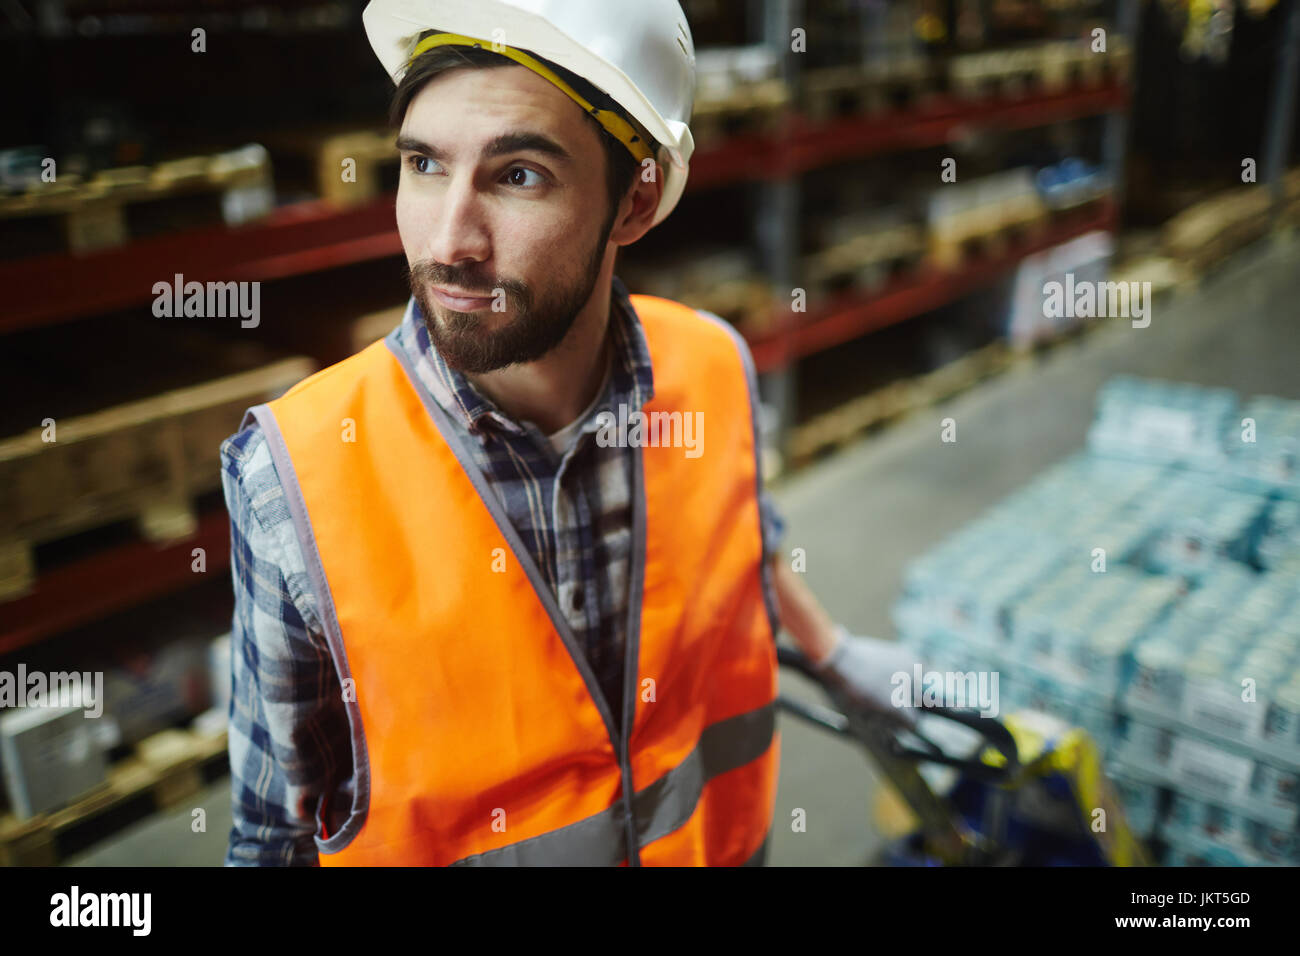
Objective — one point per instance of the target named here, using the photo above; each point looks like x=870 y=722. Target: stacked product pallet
x=1147 y=589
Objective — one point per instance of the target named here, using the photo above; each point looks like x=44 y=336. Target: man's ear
x=637 y=210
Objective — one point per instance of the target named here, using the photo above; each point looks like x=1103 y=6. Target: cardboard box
x=50 y=757
x=152 y=687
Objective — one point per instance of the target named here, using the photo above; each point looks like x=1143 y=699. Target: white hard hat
x=639 y=52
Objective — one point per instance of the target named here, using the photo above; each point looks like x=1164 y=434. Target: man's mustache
x=464 y=280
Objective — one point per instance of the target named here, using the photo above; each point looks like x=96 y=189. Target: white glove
x=864 y=669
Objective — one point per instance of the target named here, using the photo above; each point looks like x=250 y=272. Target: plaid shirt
x=289 y=734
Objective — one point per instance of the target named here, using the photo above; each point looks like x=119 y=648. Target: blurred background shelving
x=818 y=219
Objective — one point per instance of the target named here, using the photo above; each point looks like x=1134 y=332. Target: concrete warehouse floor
x=864 y=513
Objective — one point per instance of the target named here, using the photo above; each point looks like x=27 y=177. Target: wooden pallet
x=1043 y=344
x=1118 y=63
x=984 y=232
x=166 y=770
x=96 y=213
x=309 y=161
x=1006 y=74
x=1291 y=192
x=747 y=303
x=147 y=460
x=864 y=261
x=1089 y=203
x=1052 y=67
x=1139 y=262
x=754 y=108
x=1070 y=65
x=372 y=151
x=373 y=326
x=836 y=91
x=1291 y=198
x=719 y=279
x=841 y=425
x=1167 y=276
x=1210 y=231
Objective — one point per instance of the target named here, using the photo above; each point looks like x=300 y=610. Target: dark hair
x=620 y=165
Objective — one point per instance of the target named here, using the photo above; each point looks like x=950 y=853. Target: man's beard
x=465 y=341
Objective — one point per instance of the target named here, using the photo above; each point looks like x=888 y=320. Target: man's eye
x=416 y=162
x=518 y=177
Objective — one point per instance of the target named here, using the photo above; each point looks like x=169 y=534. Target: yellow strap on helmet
x=614 y=124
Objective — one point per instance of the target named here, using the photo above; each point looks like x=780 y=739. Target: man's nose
x=458 y=230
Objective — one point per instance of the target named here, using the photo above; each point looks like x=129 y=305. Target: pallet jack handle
x=879 y=732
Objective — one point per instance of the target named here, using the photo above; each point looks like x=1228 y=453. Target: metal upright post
x=1281 y=117
x=1115 y=132
x=777 y=216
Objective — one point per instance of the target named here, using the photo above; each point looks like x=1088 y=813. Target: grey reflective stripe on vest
x=669 y=802
x=760 y=855
x=661 y=808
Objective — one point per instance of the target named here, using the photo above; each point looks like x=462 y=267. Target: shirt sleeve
x=288 y=738
x=773 y=524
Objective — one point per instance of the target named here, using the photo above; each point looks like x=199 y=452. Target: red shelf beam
x=296 y=239
x=849 y=316
x=118 y=578
x=311 y=236
x=804 y=146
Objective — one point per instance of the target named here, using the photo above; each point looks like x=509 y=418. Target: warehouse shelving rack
x=117 y=578
x=852 y=314
x=944 y=120
x=316 y=235
x=313 y=236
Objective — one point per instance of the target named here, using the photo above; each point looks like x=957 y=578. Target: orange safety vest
x=479 y=733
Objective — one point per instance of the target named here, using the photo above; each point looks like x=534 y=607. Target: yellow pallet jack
x=1028 y=794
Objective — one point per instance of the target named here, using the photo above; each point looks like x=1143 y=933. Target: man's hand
x=863 y=668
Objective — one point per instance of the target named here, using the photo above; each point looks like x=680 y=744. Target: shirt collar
x=631 y=380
